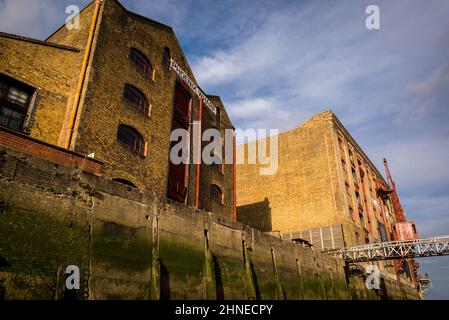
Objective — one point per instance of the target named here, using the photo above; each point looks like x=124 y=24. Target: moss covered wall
x=130 y=246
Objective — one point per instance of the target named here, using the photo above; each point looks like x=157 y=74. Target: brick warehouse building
x=108 y=89
x=326 y=191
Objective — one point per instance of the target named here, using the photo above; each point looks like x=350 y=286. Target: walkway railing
x=437 y=246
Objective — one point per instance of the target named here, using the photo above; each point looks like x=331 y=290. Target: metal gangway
x=390 y=250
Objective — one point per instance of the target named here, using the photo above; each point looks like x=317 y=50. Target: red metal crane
x=403 y=229
x=399 y=211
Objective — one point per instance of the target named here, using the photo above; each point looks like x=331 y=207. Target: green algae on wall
x=182 y=267
x=129 y=246
x=34 y=245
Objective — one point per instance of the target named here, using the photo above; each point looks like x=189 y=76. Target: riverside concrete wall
x=130 y=246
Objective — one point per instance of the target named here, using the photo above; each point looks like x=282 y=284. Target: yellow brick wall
x=309 y=189
x=300 y=194
x=52 y=70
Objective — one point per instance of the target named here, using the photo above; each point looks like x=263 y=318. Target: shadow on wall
x=165 y=283
x=256 y=215
x=218 y=279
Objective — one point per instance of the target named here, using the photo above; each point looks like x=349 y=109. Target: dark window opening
x=362 y=219
x=177 y=176
x=216 y=194
x=219 y=167
x=217 y=163
x=141 y=62
x=383 y=232
x=125 y=182
x=15 y=98
x=182 y=104
x=131 y=138
x=357 y=239
x=136 y=97
x=166 y=58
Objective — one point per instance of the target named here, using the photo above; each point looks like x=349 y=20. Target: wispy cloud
x=33 y=18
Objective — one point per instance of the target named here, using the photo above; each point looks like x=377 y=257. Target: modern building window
x=216 y=194
x=131 y=138
x=14 y=102
x=136 y=97
x=141 y=62
x=166 y=58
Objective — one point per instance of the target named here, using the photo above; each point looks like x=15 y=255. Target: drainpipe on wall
x=83 y=73
x=198 y=166
x=235 y=175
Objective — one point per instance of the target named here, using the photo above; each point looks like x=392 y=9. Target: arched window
x=136 y=98
x=166 y=59
x=141 y=62
x=131 y=138
x=125 y=182
x=216 y=194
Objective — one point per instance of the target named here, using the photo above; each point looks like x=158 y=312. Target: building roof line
x=62 y=26
x=356 y=145
x=342 y=127
x=143 y=17
x=36 y=41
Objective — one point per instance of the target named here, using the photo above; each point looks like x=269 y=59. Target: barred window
x=166 y=58
x=136 y=98
x=142 y=62
x=15 y=98
x=131 y=138
x=216 y=194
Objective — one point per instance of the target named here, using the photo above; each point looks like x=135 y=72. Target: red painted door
x=177 y=176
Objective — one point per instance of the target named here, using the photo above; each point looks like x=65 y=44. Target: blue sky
x=277 y=63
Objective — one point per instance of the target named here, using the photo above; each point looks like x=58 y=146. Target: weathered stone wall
x=130 y=246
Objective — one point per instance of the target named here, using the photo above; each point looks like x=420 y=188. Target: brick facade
x=53 y=68
x=324 y=179
x=22 y=143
